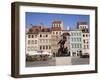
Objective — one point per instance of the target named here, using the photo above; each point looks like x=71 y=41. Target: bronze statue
x=62 y=51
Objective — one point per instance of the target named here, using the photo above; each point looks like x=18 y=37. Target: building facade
x=31 y=42
x=44 y=41
x=38 y=38
x=83 y=26
x=41 y=38
x=57 y=27
x=76 y=42
x=86 y=43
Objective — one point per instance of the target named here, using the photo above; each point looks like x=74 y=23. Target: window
x=77 y=45
x=29 y=36
x=80 y=46
x=77 y=39
x=72 y=45
x=80 y=39
x=28 y=48
x=72 y=34
x=56 y=32
x=59 y=25
x=35 y=41
x=84 y=41
x=86 y=35
x=43 y=47
x=28 y=41
x=83 y=35
x=59 y=33
x=40 y=47
x=32 y=36
x=32 y=41
x=87 y=46
x=35 y=36
x=87 y=41
x=72 y=39
x=40 y=35
x=80 y=34
x=46 y=35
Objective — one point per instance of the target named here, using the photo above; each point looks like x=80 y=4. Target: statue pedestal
x=63 y=61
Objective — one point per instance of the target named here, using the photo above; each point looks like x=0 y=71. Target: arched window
x=83 y=35
x=40 y=35
x=46 y=35
x=86 y=35
x=56 y=32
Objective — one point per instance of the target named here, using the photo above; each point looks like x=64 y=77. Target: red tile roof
x=36 y=29
x=57 y=22
x=81 y=23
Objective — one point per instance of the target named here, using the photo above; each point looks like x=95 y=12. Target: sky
x=46 y=19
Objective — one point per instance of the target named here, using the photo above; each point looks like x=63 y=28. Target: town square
x=56 y=42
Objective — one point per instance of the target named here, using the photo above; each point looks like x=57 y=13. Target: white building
x=31 y=42
x=44 y=41
x=38 y=39
x=76 y=42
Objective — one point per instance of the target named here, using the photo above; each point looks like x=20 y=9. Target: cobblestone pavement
x=79 y=61
x=56 y=61
x=49 y=62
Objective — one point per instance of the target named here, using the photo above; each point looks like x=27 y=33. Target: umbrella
x=46 y=53
x=34 y=53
